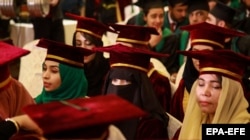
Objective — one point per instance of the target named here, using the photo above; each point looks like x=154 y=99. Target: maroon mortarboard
x=82 y=113
x=225 y=62
x=208 y=34
x=8 y=53
x=131 y=57
x=134 y=34
x=90 y=26
x=223 y=12
x=64 y=53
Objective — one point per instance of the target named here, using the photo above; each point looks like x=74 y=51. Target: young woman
x=128 y=79
x=63 y=76
x=88 y=35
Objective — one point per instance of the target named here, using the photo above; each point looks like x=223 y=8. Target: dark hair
x=173 y=3
x=96 y=41
x=151 y=5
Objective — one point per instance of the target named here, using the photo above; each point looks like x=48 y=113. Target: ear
x=144 y=17
x=221 y=23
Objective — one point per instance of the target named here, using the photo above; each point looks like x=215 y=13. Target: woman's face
x=81 y=41
x=155 y=17
x=51 y=75
x=208 y=92
x=199 y=48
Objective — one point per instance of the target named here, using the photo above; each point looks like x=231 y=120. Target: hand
x=26 y=123
x=155 y=39
x=173 y=77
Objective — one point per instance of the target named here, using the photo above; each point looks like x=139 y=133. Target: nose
x=194 y=17
x=158 y=19
x=82 y=45
x=45 y=74
x=206 y=91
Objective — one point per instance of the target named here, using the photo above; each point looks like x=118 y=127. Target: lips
x=46 y=85
x=204 y=103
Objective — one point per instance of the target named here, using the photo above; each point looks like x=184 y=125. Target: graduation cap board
x=64 y=115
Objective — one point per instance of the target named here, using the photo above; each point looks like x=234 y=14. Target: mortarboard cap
x=134 y=34
x=131 y=57
x=64 y=115
x=223 y=12
x=89 y=25
x=8 y=53
x=197 y=5
x=208 y=34
x=225 y=62
x=64 y=53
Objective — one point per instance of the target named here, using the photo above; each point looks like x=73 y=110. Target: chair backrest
x=30 y=74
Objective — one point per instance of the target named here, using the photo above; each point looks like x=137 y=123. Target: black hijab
x=190 y=74
x=139 y=92
x=95 y=72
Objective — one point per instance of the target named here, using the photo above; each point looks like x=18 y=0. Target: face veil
x=139 y=92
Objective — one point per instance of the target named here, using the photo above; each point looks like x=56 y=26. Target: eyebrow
x=53 y=66
x=211 y=81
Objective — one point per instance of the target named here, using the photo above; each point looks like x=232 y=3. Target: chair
x=30 y=74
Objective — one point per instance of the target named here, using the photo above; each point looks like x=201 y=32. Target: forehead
x=209 y=77
x=198 y=11
x=211 y=16
x=158 y=10
x=50 y=63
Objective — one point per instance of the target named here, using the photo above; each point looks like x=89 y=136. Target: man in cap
x=176 y=15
